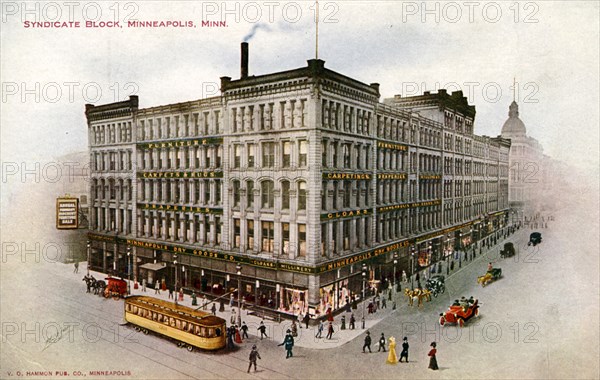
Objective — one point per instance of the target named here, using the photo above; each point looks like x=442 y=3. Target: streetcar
x=188 y=327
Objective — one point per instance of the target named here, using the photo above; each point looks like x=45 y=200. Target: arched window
x=267 y=194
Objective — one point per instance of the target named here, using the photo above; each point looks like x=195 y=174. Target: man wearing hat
x=367 y=342
x=253 y=356
x=404 y=353
x=381 y=343
x=289 y=343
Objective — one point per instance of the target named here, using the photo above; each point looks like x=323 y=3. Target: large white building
x=526 y=162
x=297 y=182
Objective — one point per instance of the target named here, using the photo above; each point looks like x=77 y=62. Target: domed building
x=525 y=162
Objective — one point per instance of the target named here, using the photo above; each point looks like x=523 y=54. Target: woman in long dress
x=392 y=358
x=432 y=360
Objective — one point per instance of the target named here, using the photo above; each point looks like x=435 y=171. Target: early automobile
x=491 y=275
x=436 y=285
x=508 y=251
x=535 y=238
x=459 y=313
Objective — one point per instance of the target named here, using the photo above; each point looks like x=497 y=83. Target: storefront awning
x=153 y=266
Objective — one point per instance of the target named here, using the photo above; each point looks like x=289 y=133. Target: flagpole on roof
x=317 y=29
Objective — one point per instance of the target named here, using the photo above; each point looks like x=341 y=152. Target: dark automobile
x=535 y=238
x=436 y=285
x=508 y=251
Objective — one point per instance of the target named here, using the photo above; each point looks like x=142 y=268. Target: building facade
x=301 y=185
x=526 y=164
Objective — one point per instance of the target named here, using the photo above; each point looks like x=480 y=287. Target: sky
x=549 y=47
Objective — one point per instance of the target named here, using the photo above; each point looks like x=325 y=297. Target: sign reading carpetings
x=67 y=213
x=350 y=176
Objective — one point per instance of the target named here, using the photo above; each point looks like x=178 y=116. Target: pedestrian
x=170 y=291
x=370 y=308
x=490 y=267
x=306 y=319
x=244 y=329
x=156 y=287
x=230 y=334
x=194 y=299
x=180 y=294
x=367 y=343
x=232 y=319
x=432 y=360
x=204 y=302
x=231 y=300
x=320 y=330
x=76 y=270
x=214 y=309
x=330 y=330
x=221 y=306
x=252 y=358
x=377 y=302
x=262 y=328
x=348 y=306
x=392 y=358
x=294 y=328
x=352 y=321
x=404 y=353
x=381 y=343
x=238 y=337
x=289 y=344
x=404 y=277
x=343 y=327
x=143 y=285
x=363 y=322
x=384 y=303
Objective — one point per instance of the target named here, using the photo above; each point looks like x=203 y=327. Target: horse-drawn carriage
x=508 y=251
x=436 y=285
x=460 y=312
x=115 y=288
x=491 y=275
x=535 y=238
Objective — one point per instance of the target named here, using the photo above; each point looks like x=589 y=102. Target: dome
x=513 y=125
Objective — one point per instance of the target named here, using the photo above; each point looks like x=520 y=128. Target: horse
x=412 y=295
x=426 y=293
x=483 y=280
x=99 y=286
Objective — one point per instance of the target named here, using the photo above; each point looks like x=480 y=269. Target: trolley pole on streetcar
x=238 y=268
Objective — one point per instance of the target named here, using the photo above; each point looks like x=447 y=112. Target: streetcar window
x=155 y=316
x=218 y=332
x=178 y=324
x=183 y=325
x=197 y=330
x=207 y=332
x=172 y=322
x=135 y=309
x=191 y=328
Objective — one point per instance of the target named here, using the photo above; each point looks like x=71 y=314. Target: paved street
x=538 y=321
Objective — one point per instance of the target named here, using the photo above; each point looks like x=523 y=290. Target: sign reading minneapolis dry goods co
x=67 y=213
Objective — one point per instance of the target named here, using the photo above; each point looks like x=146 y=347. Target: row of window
x=283 y=114
x=189 y=327
x=194 y=157
x=267 y=194
x=112 y=189
x=290 y=153
x=112 y=160
x=204 y=123
x=112 y=219
x=205 y=192
x=112 y=133
x=202 y=229
x=343 y=117
x=287 y=239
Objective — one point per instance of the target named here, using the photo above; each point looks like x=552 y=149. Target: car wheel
x=442 y=321
x=477 y=312
x=190 y=348
x=146 y=331
x=460 y=322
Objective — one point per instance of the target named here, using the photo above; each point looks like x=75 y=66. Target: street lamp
x=412 y=267
x=364 y=278
x=175 y=265
x=238 y=268
x=129 y=270
x=461 y=246
x=430 y=254
x=89 y=249
x=447 y=256
x=394 y=274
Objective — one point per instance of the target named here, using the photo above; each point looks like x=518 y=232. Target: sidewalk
x=306 y=337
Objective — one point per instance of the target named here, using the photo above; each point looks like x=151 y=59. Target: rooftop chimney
x=244 y=62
